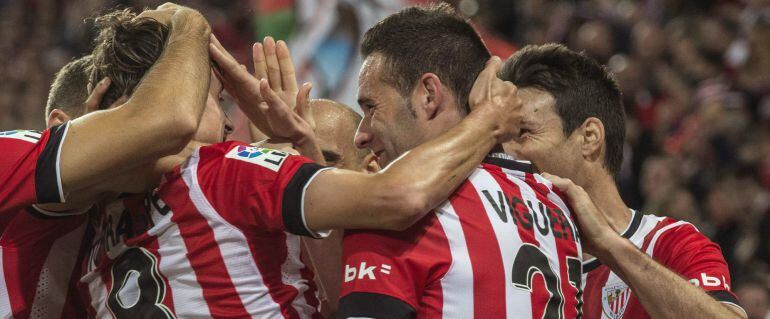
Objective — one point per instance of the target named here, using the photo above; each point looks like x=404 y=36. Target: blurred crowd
x=695 y=75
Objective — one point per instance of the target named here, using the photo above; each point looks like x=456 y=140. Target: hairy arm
x=662 y=292
x=158 y=119
x=407 y=189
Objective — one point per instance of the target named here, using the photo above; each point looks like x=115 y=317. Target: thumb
x=95 y=99
x=303 y=102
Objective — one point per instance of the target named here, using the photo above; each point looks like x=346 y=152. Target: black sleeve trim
x=371 y=305
x=48 y=187
x=40 y=213
x=723 y=296
x=291 y=207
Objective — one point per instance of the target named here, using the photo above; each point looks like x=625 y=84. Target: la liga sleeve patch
x=265 y=157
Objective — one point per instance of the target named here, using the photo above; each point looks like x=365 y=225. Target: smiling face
x=389 y=128
x=542 y=140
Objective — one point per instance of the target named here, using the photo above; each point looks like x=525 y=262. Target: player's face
x=388 y=128
x=214 y=125
x=335 y=130
x=542 y=140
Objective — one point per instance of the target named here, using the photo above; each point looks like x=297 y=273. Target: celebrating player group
x=472 y=187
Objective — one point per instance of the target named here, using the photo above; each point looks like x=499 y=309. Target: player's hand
x=595 y=231
x=179 y=19
x=498 y=100
x=288 y=125
x=97 y=95
x=272 y=62
x=242 y=86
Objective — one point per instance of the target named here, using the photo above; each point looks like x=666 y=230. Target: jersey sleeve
x=698 y=259
x=29 y=167
x=268 y=185
x=385 y=274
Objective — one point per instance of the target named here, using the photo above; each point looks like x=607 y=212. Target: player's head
x=68 y=92
x=419 y=66
x=574 y=121
x=126 y=48
x=335 y=128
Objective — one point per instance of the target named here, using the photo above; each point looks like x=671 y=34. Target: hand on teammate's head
x=498 y=99
x=171 y=14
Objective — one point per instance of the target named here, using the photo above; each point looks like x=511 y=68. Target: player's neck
x=606 y=196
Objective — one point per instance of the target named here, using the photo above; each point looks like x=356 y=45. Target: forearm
x=172 y=95
x=663 y=293
x=406 y=190
x=159 y=118
x=434 y=169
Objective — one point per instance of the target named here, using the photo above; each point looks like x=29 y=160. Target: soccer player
x=61 y=164
x=645 y=266
x=218 y=238
x=503 y=245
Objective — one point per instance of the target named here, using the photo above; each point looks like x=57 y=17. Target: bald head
x=336 y=126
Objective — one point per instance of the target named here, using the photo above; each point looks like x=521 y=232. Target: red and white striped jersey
x=217 y=239
x=503 y=246
x=38 y=249
x=675 y=244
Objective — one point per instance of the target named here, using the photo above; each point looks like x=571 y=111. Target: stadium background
x=695 y=77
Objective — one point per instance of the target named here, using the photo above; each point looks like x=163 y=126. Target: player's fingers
x=95 y=98
x=120 y=101
x=481 y=88
x=221 y=48
x=491 y=69
x=288 y=78
x=303 y=104
x=260 y=65
x=273 y=68
x=227 y=67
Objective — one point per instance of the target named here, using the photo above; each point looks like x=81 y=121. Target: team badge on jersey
x=615 y=299
x=265 y=157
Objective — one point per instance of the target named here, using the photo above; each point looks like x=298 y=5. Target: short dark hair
x=69 y=89
x=126 y=48
x=582 y=88
x=433 y=39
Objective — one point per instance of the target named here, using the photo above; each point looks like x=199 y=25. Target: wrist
x=609 y=248
x=187 y=22
x=481 y=120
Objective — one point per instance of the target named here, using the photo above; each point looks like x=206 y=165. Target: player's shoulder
x=670 y=237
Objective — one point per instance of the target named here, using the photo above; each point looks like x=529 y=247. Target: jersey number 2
x=138 y=289
x=529 y=261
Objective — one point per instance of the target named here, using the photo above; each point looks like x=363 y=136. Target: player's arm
x=663 y=293
x=158 y=119
x=422 y=178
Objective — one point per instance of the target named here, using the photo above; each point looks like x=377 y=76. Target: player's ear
x=430 y=95
x=369 y=164
x=592 y=138
x=57 y=117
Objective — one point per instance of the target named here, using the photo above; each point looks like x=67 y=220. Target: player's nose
x=363 y=136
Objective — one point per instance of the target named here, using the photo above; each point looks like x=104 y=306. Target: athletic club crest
x=615 y=299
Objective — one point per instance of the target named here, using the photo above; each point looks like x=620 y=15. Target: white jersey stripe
x=174 y=265
x=456 y=289
x=292 y=276
x=547 y=242
x=507 y=235
x=234 y=249
x=98 y=293
x=5 y=302
x=651 y=247
x=57 y=269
